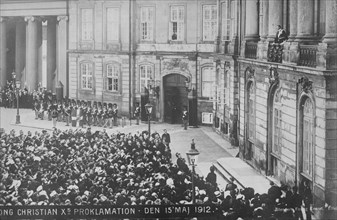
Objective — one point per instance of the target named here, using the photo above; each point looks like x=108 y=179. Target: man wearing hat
x=73 y=114
x=84 y=114
x=89 y=114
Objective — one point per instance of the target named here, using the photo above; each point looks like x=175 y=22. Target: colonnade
x=28 y=50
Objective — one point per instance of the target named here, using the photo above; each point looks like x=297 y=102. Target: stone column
x=330 y=22
x=3 y=51
x=293 y=20
x=252 y=21
x=274 y=18
x=62 y=53
x=20 y=50
x=51 y=53
x=39 y=40
x=305 y=20
x=31 y=53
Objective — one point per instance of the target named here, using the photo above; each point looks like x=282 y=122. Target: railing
x=275 y=51
x=251 y=50
x=307 y=55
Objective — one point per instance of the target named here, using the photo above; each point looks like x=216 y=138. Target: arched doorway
x=175 y=97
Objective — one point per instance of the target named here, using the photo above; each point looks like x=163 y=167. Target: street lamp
x=17 y=103
x=192 y=158
x=148 y=108
x=16 y=85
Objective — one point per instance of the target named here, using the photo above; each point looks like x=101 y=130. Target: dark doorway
x=175 y=98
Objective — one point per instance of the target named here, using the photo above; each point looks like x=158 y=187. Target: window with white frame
x=86 y=75
x=146 y=74
x=210 y=28
x=87 y=24
x=226 y=21
x=307 y=142
x=208 y=81
x=147 y=23
x=112 y=24
x=112 y=77
x=177 y=23
x=251 y=112
x=277 y=124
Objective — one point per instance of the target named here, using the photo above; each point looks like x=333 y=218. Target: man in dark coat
x=274 y=192
x=166 y=137
x=281 y=35
x=211 y=176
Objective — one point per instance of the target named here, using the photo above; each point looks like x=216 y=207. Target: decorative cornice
x=306 y=84
x=29 y=18
x=273 y=75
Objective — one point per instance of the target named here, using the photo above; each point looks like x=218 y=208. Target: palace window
x=112 y=21
x=251 y=112
x=177 y=23
x=147 y=23
x=208 y=82
x=87 y=24
x=210 y=28
x=86 y=75
x=146 y=74
x=226 y=21
x=277 y=125
x=307 y=142
x=112 y=77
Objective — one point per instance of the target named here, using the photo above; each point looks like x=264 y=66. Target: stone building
x=278 y=103
x=288 y=93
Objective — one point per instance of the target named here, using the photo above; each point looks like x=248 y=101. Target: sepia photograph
x=168 y=109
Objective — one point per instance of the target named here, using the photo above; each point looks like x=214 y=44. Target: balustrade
x=307 y=55
x=251 y=50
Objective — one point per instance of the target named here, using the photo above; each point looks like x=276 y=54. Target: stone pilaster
x=252 y=21
x=305 y=20
x=20 y=50
x=62 y=53
x=3 y=51
x=51 y=53
x=264 y=26
x=31 y=53
x=275 y=18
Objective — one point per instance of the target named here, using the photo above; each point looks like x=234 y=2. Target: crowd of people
x=77 y=167
x=8 y=97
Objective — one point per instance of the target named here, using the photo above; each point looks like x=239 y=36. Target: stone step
x=226 y=175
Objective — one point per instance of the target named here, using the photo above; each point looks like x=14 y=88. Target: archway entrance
x=175 y=97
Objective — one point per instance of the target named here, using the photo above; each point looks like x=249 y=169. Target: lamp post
x=148 y=108
x=192 y=157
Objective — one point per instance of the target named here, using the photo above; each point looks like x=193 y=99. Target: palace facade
x=277 y=103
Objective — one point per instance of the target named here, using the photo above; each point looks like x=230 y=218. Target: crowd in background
x=75 y=167
x=8 y=97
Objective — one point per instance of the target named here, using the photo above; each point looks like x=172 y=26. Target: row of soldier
x=77 y=113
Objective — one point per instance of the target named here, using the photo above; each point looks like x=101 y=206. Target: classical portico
x=38 y=52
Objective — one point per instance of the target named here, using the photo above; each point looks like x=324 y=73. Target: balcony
x=251 y=50
x=275 y=53
x=307 y=55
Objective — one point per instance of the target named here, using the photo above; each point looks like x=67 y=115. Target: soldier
x=89 y=115
x=37 y=107
x=99 y=115
x=67 y=112
x=94 y=114
x=50 y=108
x=185 y=118
x=84 y=114
x=115 y=113
x=59 y=111
x=54 y=115
x=73 y=114
x=104 y=115
x=137 y=113
x=108 y=116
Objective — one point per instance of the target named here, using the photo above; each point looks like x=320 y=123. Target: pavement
x=214 y=149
